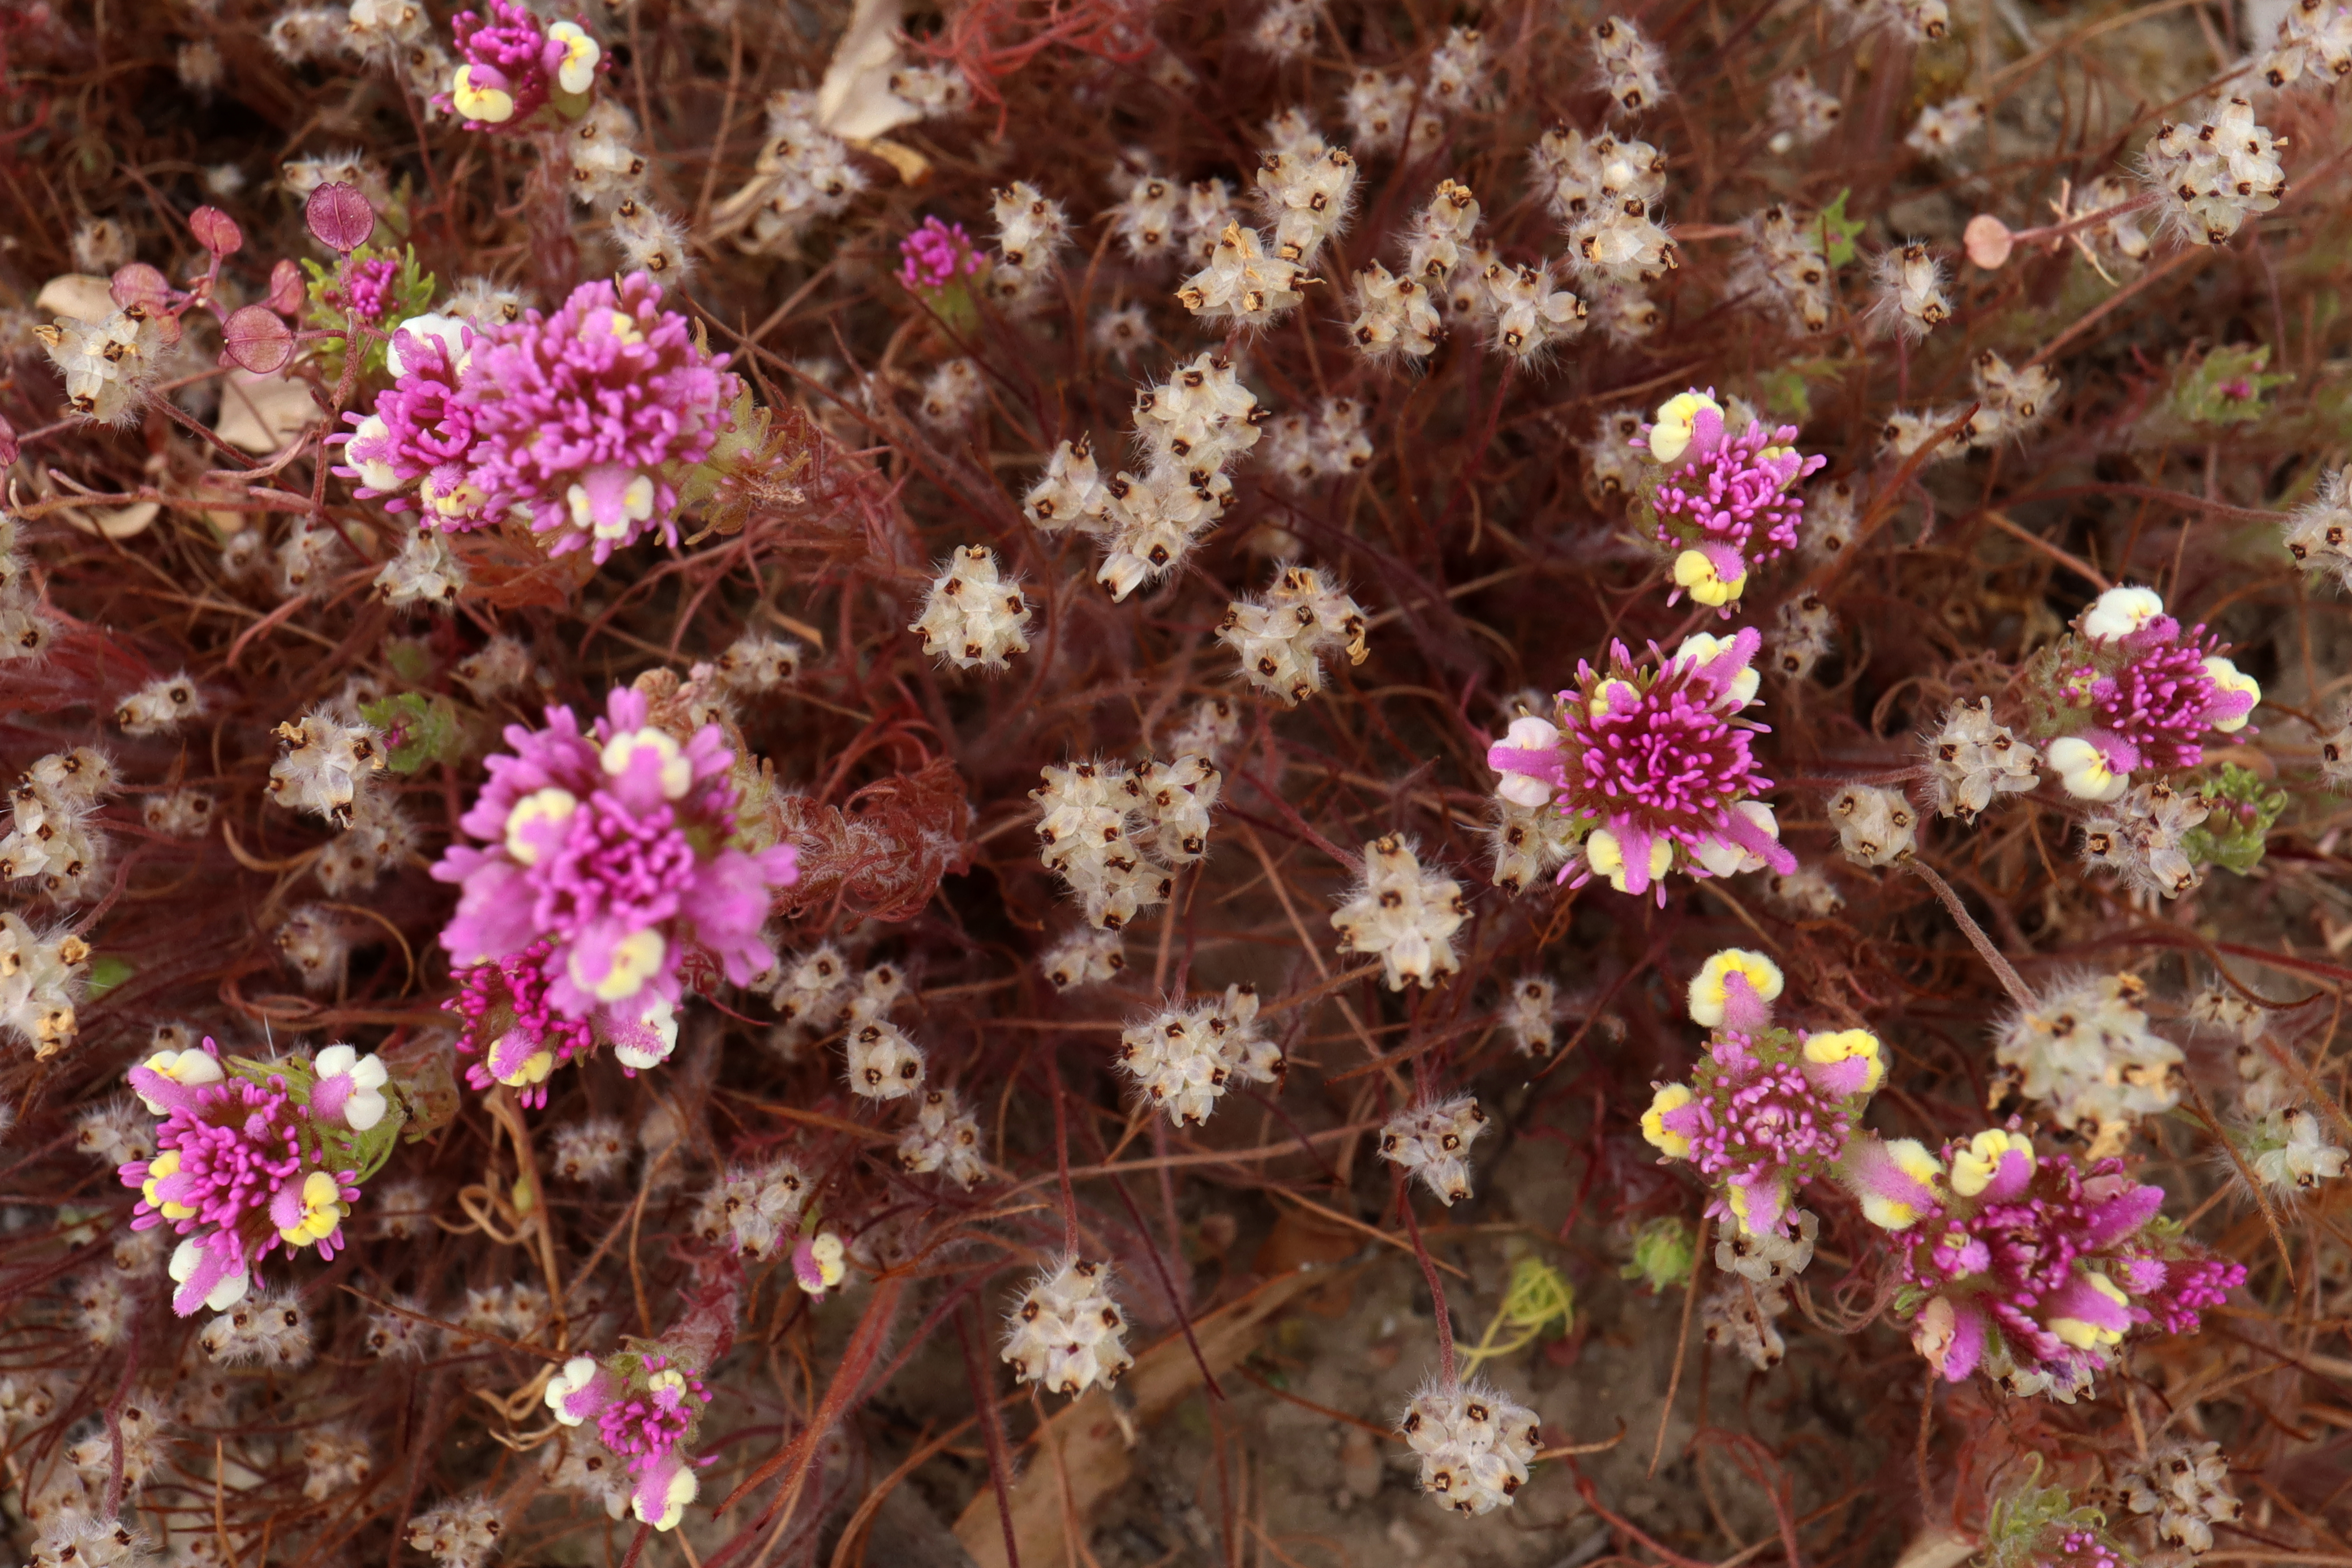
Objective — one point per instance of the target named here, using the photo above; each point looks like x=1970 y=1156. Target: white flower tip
x=2120 y=612
x=1520 y=790
x=1529 y=733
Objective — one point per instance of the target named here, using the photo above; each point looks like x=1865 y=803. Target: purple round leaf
x=216 y=231
x=140 y=284
x=340 y=216
x=287 y=290
x=256 y=339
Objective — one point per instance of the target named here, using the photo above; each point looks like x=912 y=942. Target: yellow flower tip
x=1678 y=417
x=830 y=1265
x=322 y=1211
x=1606 y=693
x=1846 y=1043
x=683 y=1488
x=676 y=769
x=577 y=73
x=618 y=325
x=1888 y=1214
x=487 y=105
x=2083 y=770
x=2082 y=1335
x=1606 y=856
x=1673 y=1144
x=2120 y=612
x=550 y=806
x=1912 y=1158
x=533 y=1068
x=460 y=498
x=637 y=958
x=2230 y=678
x=192 y=1066
x=1695 y=575
x=1708 y=989
x=1973 y=1167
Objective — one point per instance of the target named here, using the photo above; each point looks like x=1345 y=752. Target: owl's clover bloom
x=936 y=255
x=1651 y=761
x=590 y=417
x=1726 y=503
x=252 y=1158
x=645 y=1405
x=515 y=66
x=2136 y=692
x=588 y=422
x=2032 y=1267
x=605 y=860
x=1768 y=1109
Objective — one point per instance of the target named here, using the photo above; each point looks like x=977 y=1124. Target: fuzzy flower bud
x=1433 y=1141
x=1475 y=1445
x=975 y=616
x=1068 y=1334
x=1405 y=914
x=1875 y=827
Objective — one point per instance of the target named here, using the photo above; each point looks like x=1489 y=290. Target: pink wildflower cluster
x=1726 y=503
x=587 y=420
x=1652 y=763
x=515 y=66
x=936 y=255
x=506 y=1017
x=252 y=1157
x=366 y=286
x=645 y=1402
x=1768 y=1109
x=2082 y=1549
x=2028 y=1267
x=606 y=862
x=2138 y=692
x=643 y=1406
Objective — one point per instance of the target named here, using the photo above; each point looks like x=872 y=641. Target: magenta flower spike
x=644 y=1405
x=1651 y=758
x=588 y=418
x=515 y=66
x=585 y=422
x=605 y=859
x=1726 y=503
x=2030 y=1267
x=1768 y=1109
x=243 y=1165
x=936 y=255
x=2130 y=690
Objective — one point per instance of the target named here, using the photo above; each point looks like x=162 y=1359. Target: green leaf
x=1662 y=1254
x=2240 y=812
x=1783 y=391
x=417 y=729
x=1841 y=231
x=410 y=659
x=412 y=295
x=2225 y=387
x=333 y=1145
x=106 y=972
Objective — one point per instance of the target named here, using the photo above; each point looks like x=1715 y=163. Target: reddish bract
x=340 y=218
x=254 y=339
